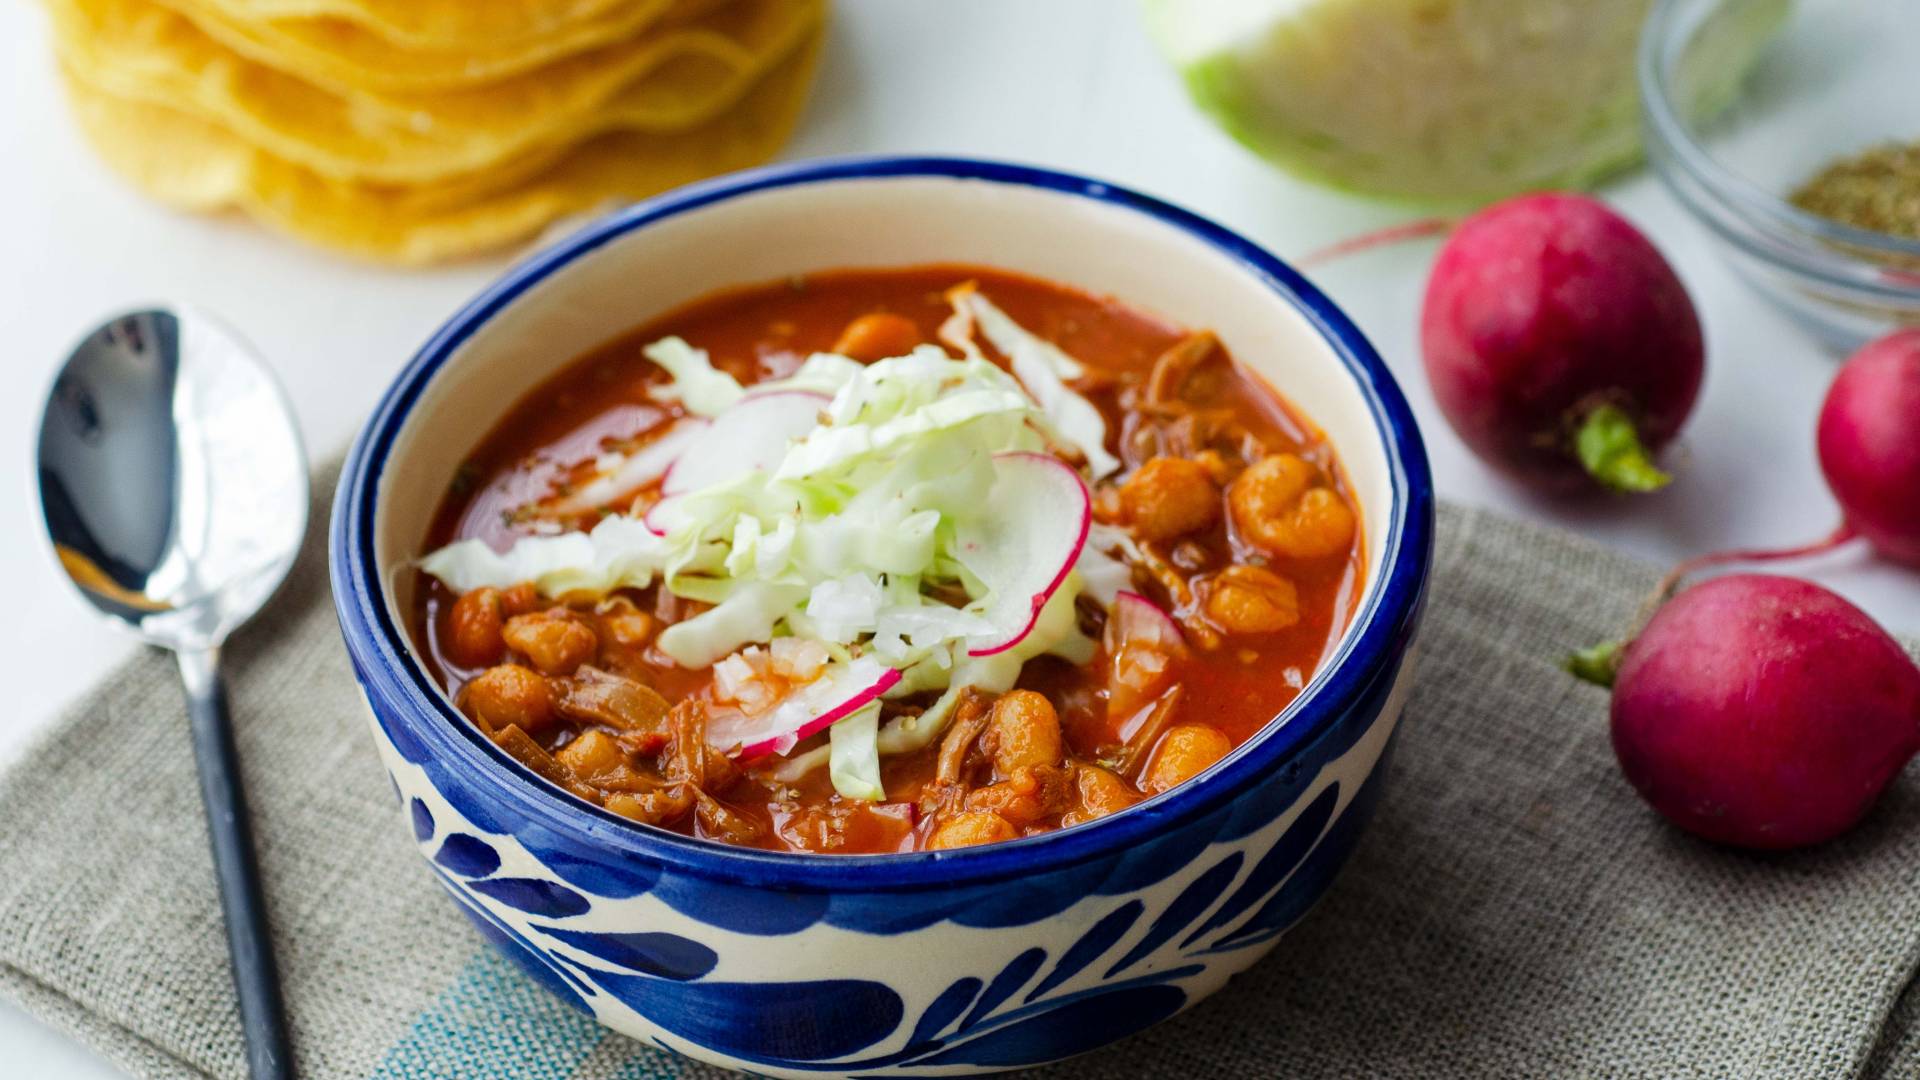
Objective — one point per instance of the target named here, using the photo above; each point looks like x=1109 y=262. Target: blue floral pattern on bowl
x=1150 y=934
x=932 y=964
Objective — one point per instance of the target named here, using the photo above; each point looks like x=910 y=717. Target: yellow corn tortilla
x=344 y=56
x=189 y=162
x=432 y=24
x=670 y=79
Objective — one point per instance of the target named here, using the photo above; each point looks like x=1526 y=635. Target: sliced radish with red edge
x=637 y=470
x=1025 y=542
x=1136 y=619
x=753 y=436
x=840 y=691
x=1142 y=641
x=662 y=516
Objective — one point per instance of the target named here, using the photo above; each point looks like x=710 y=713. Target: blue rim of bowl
x=1378 y=637
x=1787 y=235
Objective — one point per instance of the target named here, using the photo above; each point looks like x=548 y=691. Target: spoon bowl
x=172 y=479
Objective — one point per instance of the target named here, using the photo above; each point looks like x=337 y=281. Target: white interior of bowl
x=1102 y=248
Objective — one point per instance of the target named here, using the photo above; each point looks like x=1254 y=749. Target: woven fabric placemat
x=1513 y=911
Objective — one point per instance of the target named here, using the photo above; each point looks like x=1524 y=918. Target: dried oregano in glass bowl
x=1801 y=181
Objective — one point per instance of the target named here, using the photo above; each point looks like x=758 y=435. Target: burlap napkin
x=1514 y=911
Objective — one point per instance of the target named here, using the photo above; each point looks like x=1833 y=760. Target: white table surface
x=1071 y=84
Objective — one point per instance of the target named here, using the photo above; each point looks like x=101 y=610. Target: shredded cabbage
x=854 y=757
x=698 y=386
x=821 y=373
x=844 y=549
x=620 y=552
x=748 y=615
x=1043 y=368
x=844 y=609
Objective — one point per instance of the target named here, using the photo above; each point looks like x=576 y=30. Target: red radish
x=637 y=470
x=1560 y=344
x=1137 y=620
x=752 y=436
x=1763 y=712
x=1869 y=439
x=1025 y=542
x=840 y=691
x=1142 y=641
x=661 y=518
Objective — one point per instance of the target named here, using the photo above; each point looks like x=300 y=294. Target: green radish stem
x=1598 y=664
x=1609 y=448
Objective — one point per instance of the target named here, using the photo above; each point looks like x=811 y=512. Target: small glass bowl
x=1839 y=77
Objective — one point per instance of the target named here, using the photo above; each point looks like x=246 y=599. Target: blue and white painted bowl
x=938 y=963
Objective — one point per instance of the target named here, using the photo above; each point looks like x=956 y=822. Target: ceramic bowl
x=936 y=963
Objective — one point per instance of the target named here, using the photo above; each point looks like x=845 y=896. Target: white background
x=1070 y=84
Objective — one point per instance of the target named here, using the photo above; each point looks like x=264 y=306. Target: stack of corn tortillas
x=412 y=131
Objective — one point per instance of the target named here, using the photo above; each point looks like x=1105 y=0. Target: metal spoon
x=174 y=489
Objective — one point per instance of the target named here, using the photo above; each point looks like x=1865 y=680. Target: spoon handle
x=250 y=945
